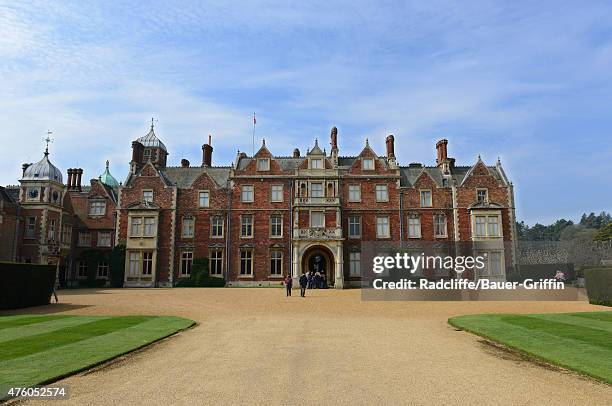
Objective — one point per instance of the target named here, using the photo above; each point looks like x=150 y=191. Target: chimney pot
x=334 y=138
x=207 y=151
x=69 y=181
x=79 y=173
x=441 y=148
x=390 y=141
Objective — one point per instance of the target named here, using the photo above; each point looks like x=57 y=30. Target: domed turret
x=42 y=170
x=108 y=179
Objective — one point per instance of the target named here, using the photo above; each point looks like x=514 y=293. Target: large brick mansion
x=257 y=220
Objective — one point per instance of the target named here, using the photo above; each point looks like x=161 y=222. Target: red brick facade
x=272 y=214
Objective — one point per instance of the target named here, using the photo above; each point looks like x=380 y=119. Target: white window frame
x=422 y=192
x=247 y=193
x=149 y=226
x=51 y=231
x=188 y=227
x=84 y=242
x=319 y=164
x=266 y=164
x=414 y=226
x=276 y=263
x=203 y=199
x=480 y=224
x=104 y=236
x=215 y=256
x=247 y=225
x=317 y=193
x=444 y=225
x=274 y=218
x=97 y=208
x=380 y=223
x=495 y=223
x=136 y=226
x=148 y=269
x=486 y=195
x=319 y=212
x=354 y=264
x=244 y=257
x=274 y=190
x=370 y=166
x=103 y=267
x=382 y=193
x=30 y=227
x=354 y=193
x=81 y=269
x=214 y=226
x=354 y=224
x=186 y=263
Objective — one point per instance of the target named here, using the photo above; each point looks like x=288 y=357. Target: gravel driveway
x=257 y=346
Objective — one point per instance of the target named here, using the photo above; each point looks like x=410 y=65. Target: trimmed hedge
x=200 y=276
x=599 y=285
x=25 y=285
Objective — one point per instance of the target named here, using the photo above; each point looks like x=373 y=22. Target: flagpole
x=254 y=122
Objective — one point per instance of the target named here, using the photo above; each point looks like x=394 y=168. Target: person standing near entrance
x=303 y=284
x=288 y=284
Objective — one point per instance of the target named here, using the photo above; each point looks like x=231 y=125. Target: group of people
x=312 y=280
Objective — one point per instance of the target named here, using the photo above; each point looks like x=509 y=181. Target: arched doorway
x=319 y=259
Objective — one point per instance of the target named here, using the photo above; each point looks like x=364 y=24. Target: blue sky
x=529 y=82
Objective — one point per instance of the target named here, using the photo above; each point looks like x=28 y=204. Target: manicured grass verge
x=578 y=341
x=41 y=349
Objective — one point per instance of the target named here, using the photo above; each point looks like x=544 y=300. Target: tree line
x=591 y=227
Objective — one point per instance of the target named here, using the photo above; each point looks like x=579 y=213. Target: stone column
x=296 y=264
x=339 y=284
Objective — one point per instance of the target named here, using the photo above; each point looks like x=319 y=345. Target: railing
x=316 y=200
x=317 y=233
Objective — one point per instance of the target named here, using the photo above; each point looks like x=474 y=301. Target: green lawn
x=40 y=349
x=578 y=341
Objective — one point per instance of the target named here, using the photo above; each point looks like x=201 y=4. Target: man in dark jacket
x=288 y=284
x=303 y=284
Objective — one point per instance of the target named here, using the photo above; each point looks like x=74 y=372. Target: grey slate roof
x=285 y=162
x=13 y=193
x=409 y=175
x=184 y=177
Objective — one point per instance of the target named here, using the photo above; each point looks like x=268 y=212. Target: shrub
x=25 y=285
x=599 y=285
x=200 y=276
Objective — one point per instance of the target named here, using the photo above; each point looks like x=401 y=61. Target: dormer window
x=482 y=196
x=263 y=164
x=316 y=163
x=367 y=164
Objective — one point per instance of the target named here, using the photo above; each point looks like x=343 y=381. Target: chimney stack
x=334 y=138
x=184 y=163
x=69 y=181
x=24 y=167
x=390 y=146
x=79 y=173
x=296 y=153
x=207 y=150
x=442 y=152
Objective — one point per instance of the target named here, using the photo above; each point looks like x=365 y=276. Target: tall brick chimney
x=184 y=163
x=334 y=138
x=137 y=155
x=390 y=141
x=442 y=152
x=79 y=173
x=296 y=153
x=69 y=181
x=207 y=151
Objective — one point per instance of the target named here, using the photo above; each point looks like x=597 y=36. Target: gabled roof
x=13 y=193
x=316 y=150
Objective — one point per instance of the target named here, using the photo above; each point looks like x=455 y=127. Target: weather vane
x=47 y=140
